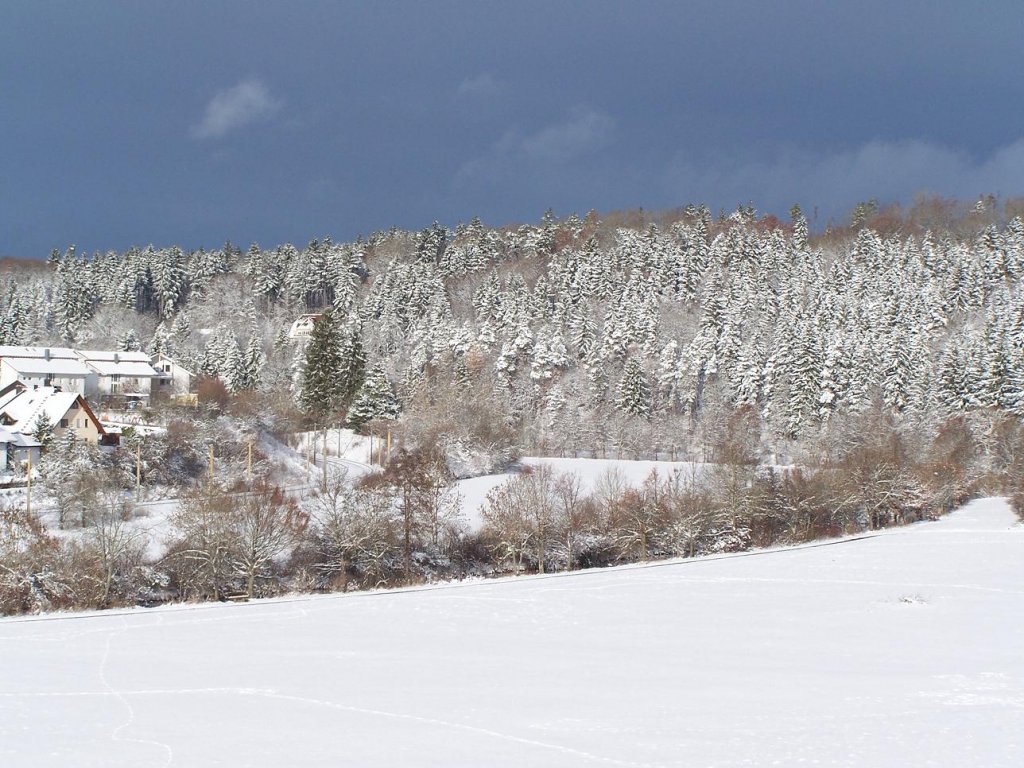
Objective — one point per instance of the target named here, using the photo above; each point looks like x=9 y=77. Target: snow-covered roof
x=23 y=411
x=63 y=353
x=134 y=365
x=39 y=366
x=22 y=441
x=124 y=368
x=61 y=361
x=303 y=326
x=9 y=396
x=94 y=355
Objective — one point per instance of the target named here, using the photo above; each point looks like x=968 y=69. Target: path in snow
x=899 y=649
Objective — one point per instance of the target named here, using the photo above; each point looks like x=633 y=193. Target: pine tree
x=230 y=367
x=323 y=389
x=251 y=363
x=634 y=393
x=129 y=341
x=375 y=400
x=353 y=364
x=42 y=430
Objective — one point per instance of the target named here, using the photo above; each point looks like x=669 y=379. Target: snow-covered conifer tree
x=634 y=393
x=374 y=400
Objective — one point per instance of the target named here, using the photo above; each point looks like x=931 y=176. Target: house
x=173 y=379
x=17 y=451
x=120 y=374
x=302 y=328
x=22 y=411
x=46 y=367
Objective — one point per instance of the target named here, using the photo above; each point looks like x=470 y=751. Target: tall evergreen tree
x=634 y=393
x=323 y=389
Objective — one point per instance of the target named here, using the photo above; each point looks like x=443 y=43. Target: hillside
x=898 y=648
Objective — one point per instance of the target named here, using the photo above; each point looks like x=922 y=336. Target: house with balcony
x=57 y=367
x=120 y=374
x=172 y=379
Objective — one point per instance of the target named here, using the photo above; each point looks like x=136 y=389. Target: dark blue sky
x=195 y=122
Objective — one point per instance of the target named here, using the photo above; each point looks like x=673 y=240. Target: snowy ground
x=341 y=443
x=473 y=491
x=899 y=649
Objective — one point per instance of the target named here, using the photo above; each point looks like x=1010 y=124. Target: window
x=63 y=423
x=115 y=377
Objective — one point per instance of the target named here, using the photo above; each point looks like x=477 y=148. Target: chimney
x=117 y=357
x=46 y=354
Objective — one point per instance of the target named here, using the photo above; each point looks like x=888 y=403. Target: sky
x=192 y=123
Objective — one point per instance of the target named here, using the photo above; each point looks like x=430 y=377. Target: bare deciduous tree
x=353 y=531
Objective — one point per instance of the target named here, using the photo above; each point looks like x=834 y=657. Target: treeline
x=401 y=525
x=581 y=332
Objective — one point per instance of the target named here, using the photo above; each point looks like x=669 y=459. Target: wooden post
x=325 y=459
x=28 y=495
x=138 y=465
x=211 y=464
x=387 y=458
x=248 y=460
x=371 y=448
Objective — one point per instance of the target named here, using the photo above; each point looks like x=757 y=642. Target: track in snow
x=899 y=649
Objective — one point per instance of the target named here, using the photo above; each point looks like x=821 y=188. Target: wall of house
x=81 y=423
x=174 y=380
x=79 y=384
x=15 y=459
x=108 y=386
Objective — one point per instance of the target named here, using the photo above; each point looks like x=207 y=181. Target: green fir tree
x=375 y=400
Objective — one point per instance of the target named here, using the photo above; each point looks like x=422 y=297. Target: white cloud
x=885 y=170
x=582 y=131
x=235 y=107
x=483 y=84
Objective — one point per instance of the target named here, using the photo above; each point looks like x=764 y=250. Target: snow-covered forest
x=868 y=374
x=582 y=334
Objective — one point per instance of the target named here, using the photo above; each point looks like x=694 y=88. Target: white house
x=173 y=379
x=16 y=450
x=124 y=374
x=302 y=328
x=21 y=411
x=46 y=367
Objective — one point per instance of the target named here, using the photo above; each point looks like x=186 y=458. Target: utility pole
x=28 y=496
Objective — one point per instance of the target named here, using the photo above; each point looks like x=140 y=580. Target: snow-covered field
x=904 y=648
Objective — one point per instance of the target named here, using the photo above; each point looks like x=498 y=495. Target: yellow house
x=26 y=410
